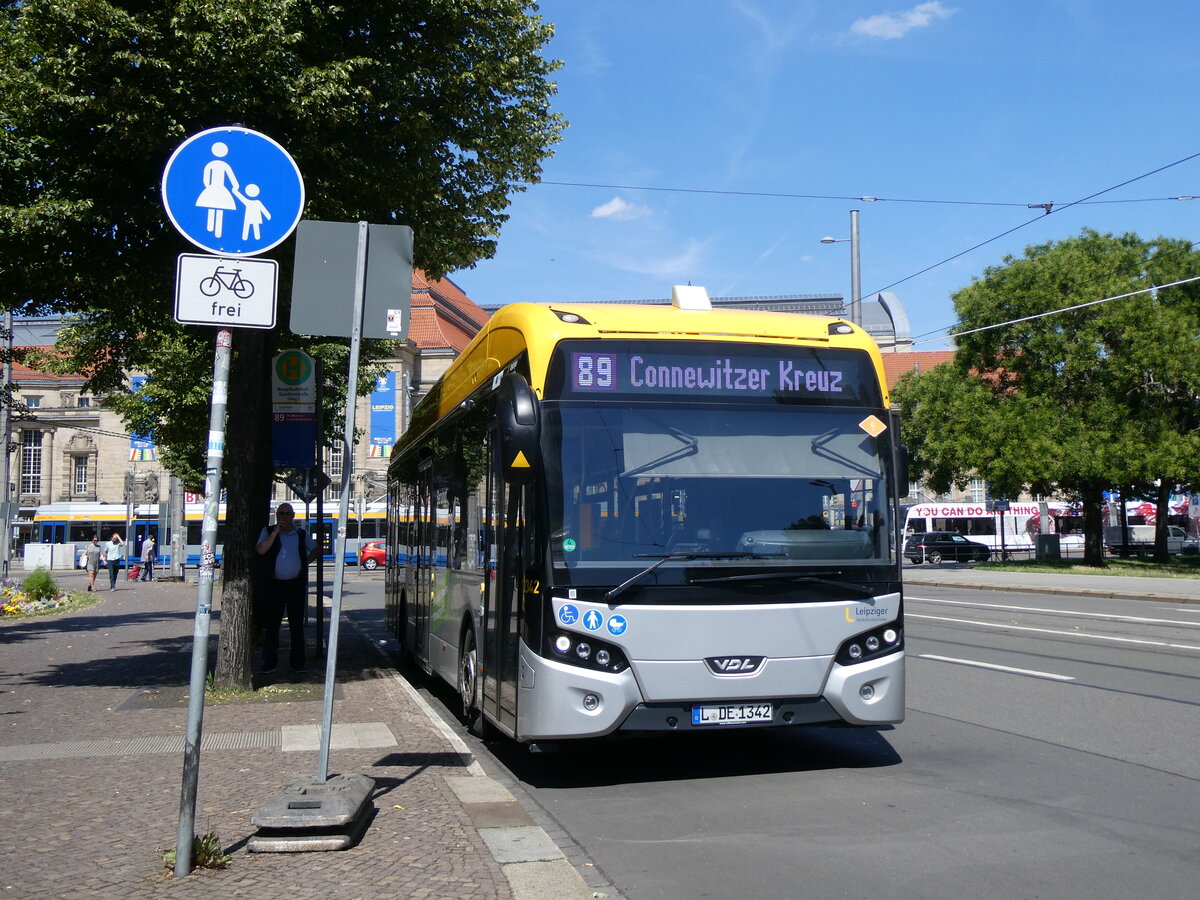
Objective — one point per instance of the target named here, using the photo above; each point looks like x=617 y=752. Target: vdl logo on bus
x=734 y=665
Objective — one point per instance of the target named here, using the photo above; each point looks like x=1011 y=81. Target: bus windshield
x=714 y=484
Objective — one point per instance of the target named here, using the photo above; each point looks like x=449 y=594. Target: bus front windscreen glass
x=748 y=484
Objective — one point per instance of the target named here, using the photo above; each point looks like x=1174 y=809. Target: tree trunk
x=1162 y=504
x=248 y=486
x=1093 y=527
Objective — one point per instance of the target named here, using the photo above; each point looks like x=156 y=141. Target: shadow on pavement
x=672 y=757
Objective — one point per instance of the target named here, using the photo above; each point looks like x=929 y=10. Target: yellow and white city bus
x=611 y=518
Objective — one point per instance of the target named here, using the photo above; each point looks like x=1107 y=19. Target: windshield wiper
x=667 y=557
x=787 y=576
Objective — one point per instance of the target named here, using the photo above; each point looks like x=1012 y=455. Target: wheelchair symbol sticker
x=568 y=614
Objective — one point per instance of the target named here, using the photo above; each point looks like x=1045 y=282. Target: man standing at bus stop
x=286 y=551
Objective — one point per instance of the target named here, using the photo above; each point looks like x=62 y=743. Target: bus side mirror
x=519 y=420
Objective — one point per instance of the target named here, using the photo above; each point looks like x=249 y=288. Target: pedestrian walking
x=148 y=554
x=92 y=555
x=112 y=552
x=286 y=551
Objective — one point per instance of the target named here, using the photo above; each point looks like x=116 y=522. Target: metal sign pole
x=204 y=593
x=339 y=562
x=6 y=434
x=318 y=469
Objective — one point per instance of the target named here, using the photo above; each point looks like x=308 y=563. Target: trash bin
x=1048 y=547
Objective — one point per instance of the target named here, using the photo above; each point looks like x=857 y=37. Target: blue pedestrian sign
x=233 y=191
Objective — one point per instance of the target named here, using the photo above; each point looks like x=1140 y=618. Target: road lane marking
x=983 y=665
x=1070 y=634
x=1141 y=620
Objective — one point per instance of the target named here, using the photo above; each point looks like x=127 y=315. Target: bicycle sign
x=227 y=278
x=231 y=293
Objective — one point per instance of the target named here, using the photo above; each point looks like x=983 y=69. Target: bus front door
x=502 y=615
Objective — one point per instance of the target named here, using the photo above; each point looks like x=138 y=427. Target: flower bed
x=14 y=602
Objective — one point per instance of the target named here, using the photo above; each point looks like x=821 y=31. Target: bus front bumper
x=574 y=702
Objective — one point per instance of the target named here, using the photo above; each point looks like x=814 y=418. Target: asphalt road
x=1051 y=749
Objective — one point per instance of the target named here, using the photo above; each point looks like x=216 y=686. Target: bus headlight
x=870 y=645
x=589 y=653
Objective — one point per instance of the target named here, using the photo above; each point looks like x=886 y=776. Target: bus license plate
x=735 y=714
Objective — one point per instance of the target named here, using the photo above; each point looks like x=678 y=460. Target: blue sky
x=691 y=113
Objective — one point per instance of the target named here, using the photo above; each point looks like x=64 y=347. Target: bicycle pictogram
x=226 y=278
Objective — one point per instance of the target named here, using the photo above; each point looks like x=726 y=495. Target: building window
x=31 y=462
x=82 y=401
x=80 y=475
x=336 y=461
x=978 y=490
x=33 y=402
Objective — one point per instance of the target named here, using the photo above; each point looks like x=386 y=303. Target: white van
x=1141 y=539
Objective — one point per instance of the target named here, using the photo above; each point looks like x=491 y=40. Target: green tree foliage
x=1105 y=393
x=428 y=113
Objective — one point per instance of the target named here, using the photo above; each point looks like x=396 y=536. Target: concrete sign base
x=306 y=816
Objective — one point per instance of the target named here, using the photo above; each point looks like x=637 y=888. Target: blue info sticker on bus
x=568 y=614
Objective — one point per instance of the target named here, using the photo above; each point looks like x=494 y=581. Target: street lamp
x=855 y=304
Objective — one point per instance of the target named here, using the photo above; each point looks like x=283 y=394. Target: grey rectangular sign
x=323 y=280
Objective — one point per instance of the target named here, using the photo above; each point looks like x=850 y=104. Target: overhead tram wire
x=1049 y=209
x=863 y=199
x=945 y=331
x=1054 y=312
x=779 y=194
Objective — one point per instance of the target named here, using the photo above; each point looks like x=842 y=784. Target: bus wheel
x=469 y=686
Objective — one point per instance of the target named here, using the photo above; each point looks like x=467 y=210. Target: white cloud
x=890 y=26
x=619 y=211
x=688 y=262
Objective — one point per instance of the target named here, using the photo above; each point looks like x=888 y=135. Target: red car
x=372 y=555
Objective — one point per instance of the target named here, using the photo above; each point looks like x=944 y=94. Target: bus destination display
x=725 y=371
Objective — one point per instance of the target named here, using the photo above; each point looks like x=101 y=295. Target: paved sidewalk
x=1180 y=590
x=93 y=716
